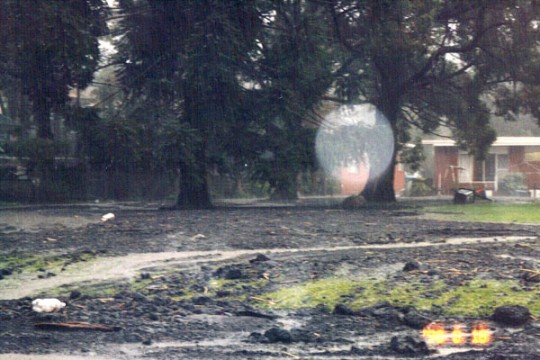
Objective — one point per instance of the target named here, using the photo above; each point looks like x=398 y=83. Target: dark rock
x=233 y=274
x=139 y=297
x=388 y=313
x=75 y=294
x=256 y=337
x=132 y=338
x=145 y=276
x=342 y=309
x=354 y=202
x=276 y=334
x=259 y=258
x=6 y=271
x=411 y=266
x=415 y=320
x=358 y=351
x=299 y=335
x=153 y=317
x=433 y=272
x=256 y=313
x=202 y=300
x=409 y=346
x=223 y=293
x=160 y=300
x=512 y=315
x=147 y=342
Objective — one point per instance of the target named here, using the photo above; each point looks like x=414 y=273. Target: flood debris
x=74 y=325
x=47 y=305
x=531 y=276
x=107 y=217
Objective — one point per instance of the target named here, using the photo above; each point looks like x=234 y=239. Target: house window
x=465 y=168
x=502 y=162
x=485 y=170
x=490 y=169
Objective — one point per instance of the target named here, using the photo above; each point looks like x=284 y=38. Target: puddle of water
x=55 y=356
x=109 y=268
x=35 y=221
x=449 y=351
x=524 y=258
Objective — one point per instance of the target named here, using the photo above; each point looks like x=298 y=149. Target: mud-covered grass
x=477 y=298
x=304 y=274
x=24 y=262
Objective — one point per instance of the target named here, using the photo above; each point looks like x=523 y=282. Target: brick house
x=453 y=168
x=353 y=178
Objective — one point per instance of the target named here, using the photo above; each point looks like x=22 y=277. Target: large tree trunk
x=46 y=188
x=42 y=116
x=284 y=180
x=381 y=188
x=285 y=190
x=194 y=190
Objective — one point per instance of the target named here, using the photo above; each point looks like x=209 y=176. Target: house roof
x=500 y=141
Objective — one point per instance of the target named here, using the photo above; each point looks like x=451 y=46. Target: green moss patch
x=477 y=298
x=26 y=263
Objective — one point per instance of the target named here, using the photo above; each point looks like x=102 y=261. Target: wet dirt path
x=121 y=267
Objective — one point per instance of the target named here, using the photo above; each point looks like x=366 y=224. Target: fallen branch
x=76 y=326
x=290 y=355
x=270 y=302
x=535 y=272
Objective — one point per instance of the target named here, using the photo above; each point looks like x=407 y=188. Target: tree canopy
x=243 y=85
x=424 y=63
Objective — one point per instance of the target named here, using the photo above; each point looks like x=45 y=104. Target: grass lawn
x=487 y=212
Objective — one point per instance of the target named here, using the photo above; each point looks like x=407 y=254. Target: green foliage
x=293 y=63
x=35 y=151
x=477 y=298
x=512 y=182
x=487 y=212
x=413 y=156
x=51 y=47
x=426 y=63
x=420 y=188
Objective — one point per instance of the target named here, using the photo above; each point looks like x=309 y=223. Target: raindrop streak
x=355 y=142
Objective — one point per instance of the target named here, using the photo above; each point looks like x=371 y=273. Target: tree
x=192 y=52
x=293 y=66
x=52 y=46
x=423 y=63
x=49 y=47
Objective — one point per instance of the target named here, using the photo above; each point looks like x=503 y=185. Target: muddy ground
x=202 y=284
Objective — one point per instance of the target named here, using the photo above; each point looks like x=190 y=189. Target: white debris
x=198 y=236
x=47 y=305
x=107 y=217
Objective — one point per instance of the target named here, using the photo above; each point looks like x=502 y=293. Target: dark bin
x=464 y=196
